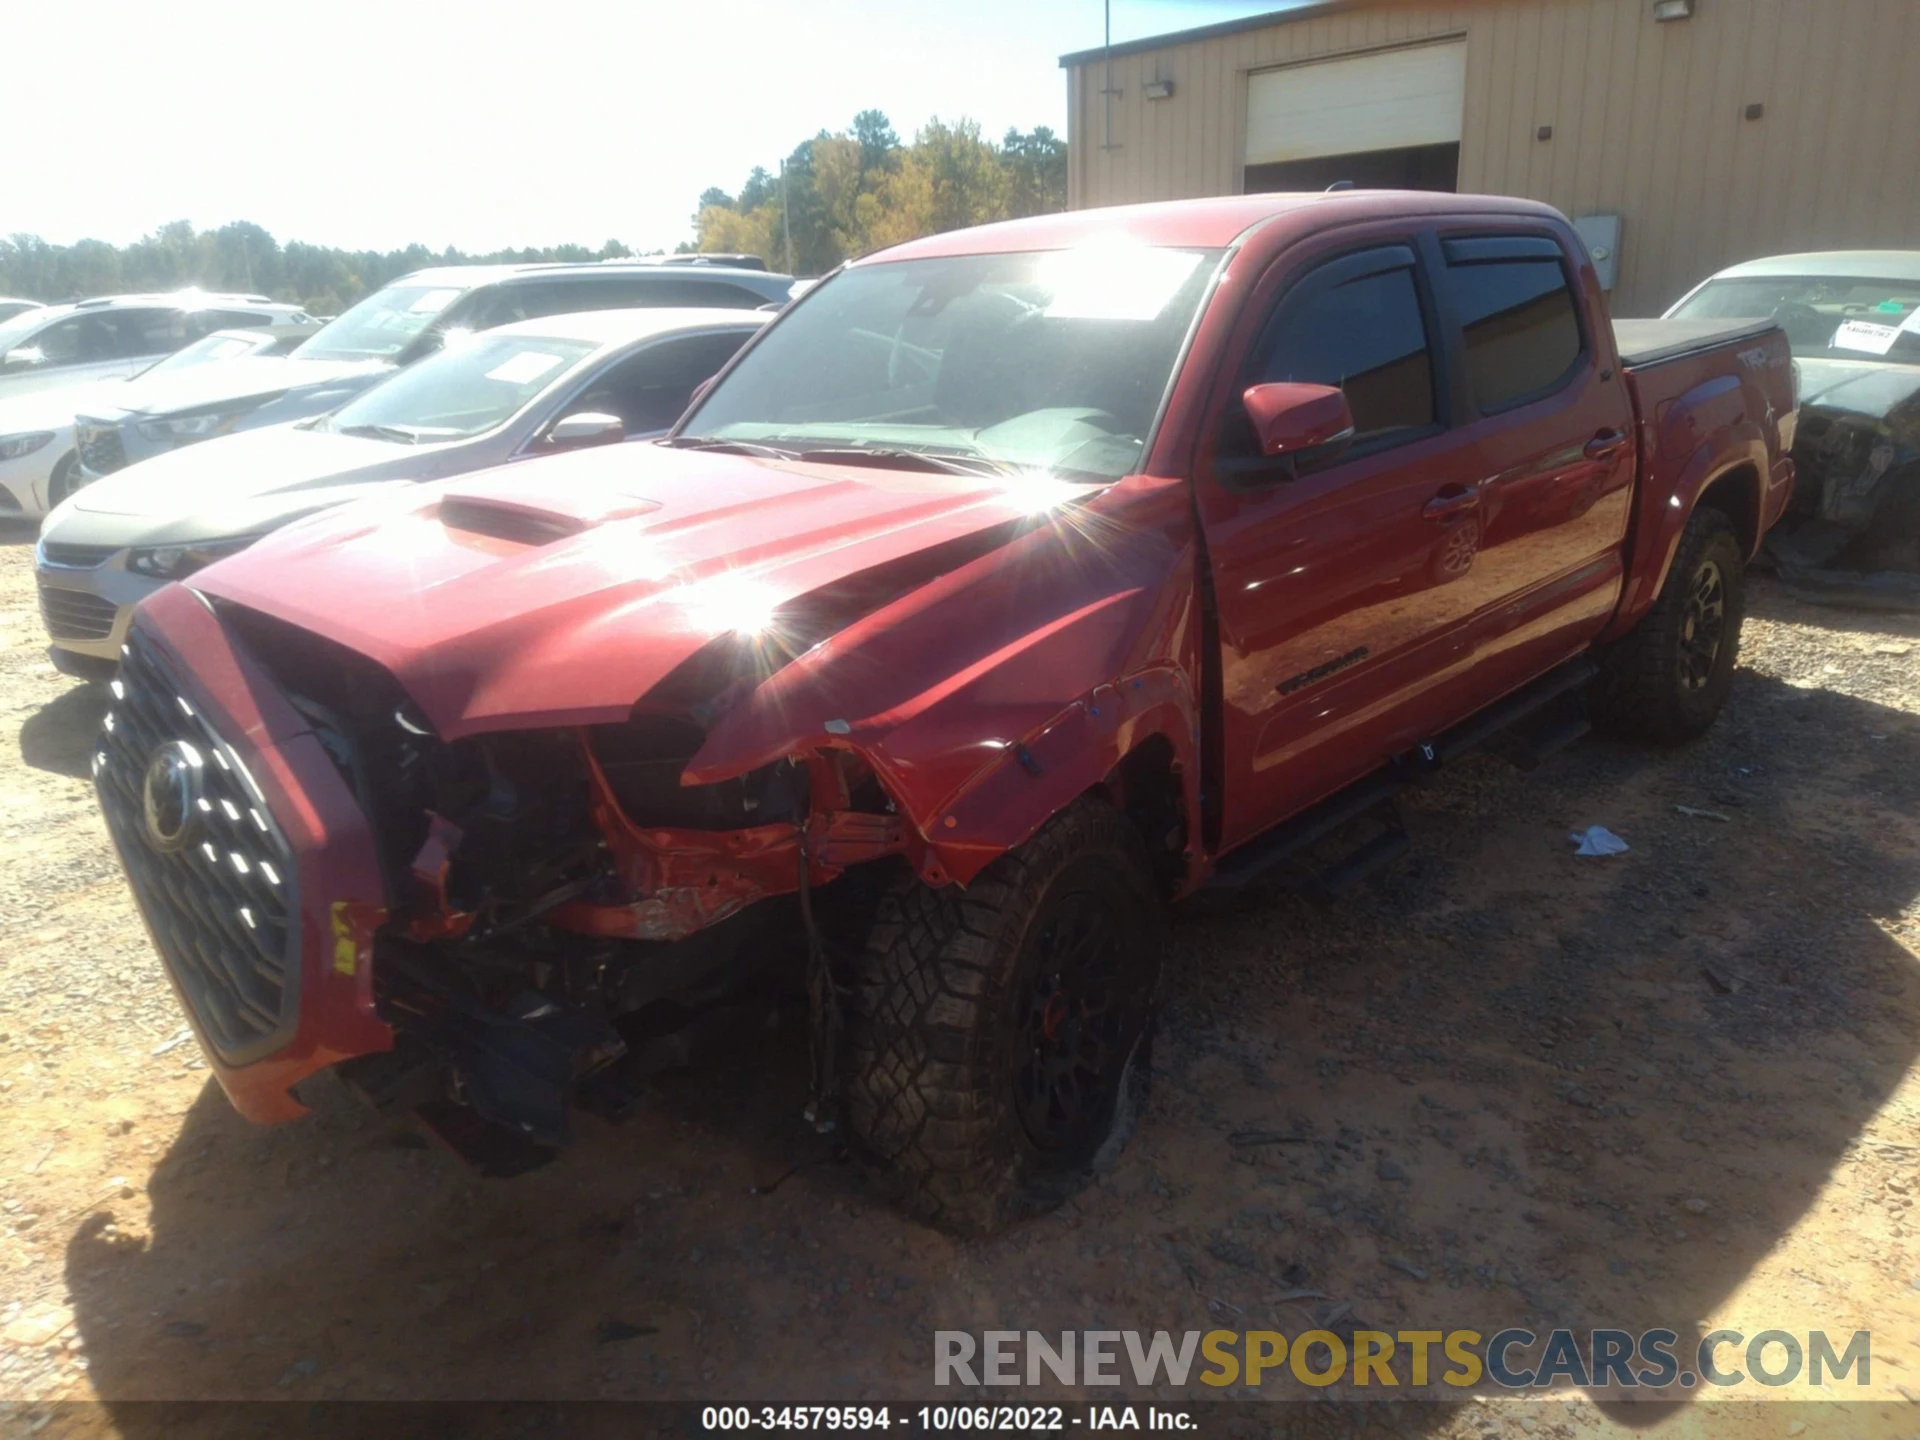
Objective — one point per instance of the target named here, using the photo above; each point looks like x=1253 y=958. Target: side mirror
x=25 y=358
x=1293 y=419
x=589 y=427
x=700 y=391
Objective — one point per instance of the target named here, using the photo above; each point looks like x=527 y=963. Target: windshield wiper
x=730 y=447
x=382 y=432
x=889 y=459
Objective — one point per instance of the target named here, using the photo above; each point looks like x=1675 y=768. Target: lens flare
x=730 y=603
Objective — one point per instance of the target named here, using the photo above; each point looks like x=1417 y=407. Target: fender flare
x=1076 y=751
x=1665 y=509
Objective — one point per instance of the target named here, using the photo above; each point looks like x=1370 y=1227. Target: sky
x=377 y=123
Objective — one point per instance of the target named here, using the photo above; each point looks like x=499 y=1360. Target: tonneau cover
x=1648 y=342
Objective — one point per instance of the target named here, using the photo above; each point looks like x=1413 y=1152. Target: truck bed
x=1653 y=342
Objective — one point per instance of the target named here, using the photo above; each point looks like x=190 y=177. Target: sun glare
x=730 y=602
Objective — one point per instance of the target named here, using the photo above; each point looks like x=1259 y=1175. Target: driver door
x=1339 y=590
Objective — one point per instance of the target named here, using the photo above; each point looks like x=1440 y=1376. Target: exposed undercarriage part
x=1852 y=535
x=558 y=901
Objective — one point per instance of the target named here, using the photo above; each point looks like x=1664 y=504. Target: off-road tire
x=1645 y=689
x=940 y=1077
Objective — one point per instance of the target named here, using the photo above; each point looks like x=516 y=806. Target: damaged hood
x=1859 y=387
x=564 y=589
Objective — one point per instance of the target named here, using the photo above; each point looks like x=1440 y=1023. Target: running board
x=1288 y=838
x=1376 y=791
x=1478 y=729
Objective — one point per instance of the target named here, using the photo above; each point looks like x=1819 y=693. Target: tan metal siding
x=1648 y=120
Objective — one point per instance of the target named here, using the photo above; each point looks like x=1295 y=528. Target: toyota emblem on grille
x=170 y=795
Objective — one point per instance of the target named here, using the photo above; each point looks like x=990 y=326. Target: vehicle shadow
x=60 y=736
x=14 y=530
x=1495 y=1081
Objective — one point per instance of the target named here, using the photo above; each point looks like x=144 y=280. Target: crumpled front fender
x=987 y=699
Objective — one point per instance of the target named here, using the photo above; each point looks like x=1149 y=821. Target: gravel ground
x=1499 y=1085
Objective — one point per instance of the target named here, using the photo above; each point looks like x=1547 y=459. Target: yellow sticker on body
x=346 y=945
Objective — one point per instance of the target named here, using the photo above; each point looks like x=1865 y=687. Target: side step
x=1290 y=837
x=1528 y=700
x=1536 y=721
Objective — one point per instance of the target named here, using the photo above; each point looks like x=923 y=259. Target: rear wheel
x=999 y=1035
x=1668 y=678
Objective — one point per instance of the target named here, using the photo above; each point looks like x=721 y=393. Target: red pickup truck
x=1012 y=583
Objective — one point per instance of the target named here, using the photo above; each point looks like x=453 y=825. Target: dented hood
x=564 y=589
x=1861 y=387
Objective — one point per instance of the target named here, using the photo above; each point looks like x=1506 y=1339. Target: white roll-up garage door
x=1386 y=100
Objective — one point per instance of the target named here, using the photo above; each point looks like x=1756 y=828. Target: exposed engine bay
x=1852 y=535
x=557 y=901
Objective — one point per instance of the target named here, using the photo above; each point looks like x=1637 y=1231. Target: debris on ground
x=1598 y=840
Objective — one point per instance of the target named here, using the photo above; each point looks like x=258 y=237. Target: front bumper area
x=264 y=914
x=102 y=444
x=87 y=597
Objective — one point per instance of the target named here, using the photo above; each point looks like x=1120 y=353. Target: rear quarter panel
x=1710 y=420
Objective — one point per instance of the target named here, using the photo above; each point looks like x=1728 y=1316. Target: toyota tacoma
x=1012 y=583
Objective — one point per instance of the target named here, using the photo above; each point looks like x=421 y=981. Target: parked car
x=119 y=335
x=1853 y=319
x=39 y=466
x=392 y=328
x=517 y=392
x=10 y=307
x=1015 y=579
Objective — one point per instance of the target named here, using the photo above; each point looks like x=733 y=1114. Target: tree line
x=837 y=195
x=843 y=194
x=239 y=257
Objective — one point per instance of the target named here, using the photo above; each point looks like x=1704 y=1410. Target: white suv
x=118 y=335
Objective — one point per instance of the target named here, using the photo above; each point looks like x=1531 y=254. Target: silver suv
x=390 y=329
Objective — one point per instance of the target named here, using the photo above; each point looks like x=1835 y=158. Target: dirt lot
x=1676 y=1086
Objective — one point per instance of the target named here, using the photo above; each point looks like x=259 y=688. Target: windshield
x=13 y=331
x=460 y=392
x=382 y=325
x=1838 y=318
x=218 y=346
x=1055 y=360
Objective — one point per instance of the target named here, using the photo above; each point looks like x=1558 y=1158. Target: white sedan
x=509 y=394
x=38 y=466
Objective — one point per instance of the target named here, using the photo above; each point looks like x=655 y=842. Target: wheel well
x=1736 y=495
x=1147 y=786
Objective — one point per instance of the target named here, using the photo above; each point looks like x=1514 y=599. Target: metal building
x=1683 y=135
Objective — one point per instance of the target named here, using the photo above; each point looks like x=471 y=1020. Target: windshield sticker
x=1866 y=337
x=1112 y=282
x=524 y=368
x=433 y=302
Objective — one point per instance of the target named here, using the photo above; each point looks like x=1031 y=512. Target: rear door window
x=145 y=332
x=1519 y=320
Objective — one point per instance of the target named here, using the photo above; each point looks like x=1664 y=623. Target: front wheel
x=1667 y=678
x=999 y=1034
x=66 y=479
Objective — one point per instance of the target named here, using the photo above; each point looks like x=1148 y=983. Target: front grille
x=221 y=906
x=74 y=614
x=75 y=557
x=101 y=449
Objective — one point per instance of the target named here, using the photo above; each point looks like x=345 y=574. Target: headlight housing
x=12 y=447
x=190 y=427
x=176 y=562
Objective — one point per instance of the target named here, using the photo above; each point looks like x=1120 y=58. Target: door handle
x=1606 y=445
x=1452 y=501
